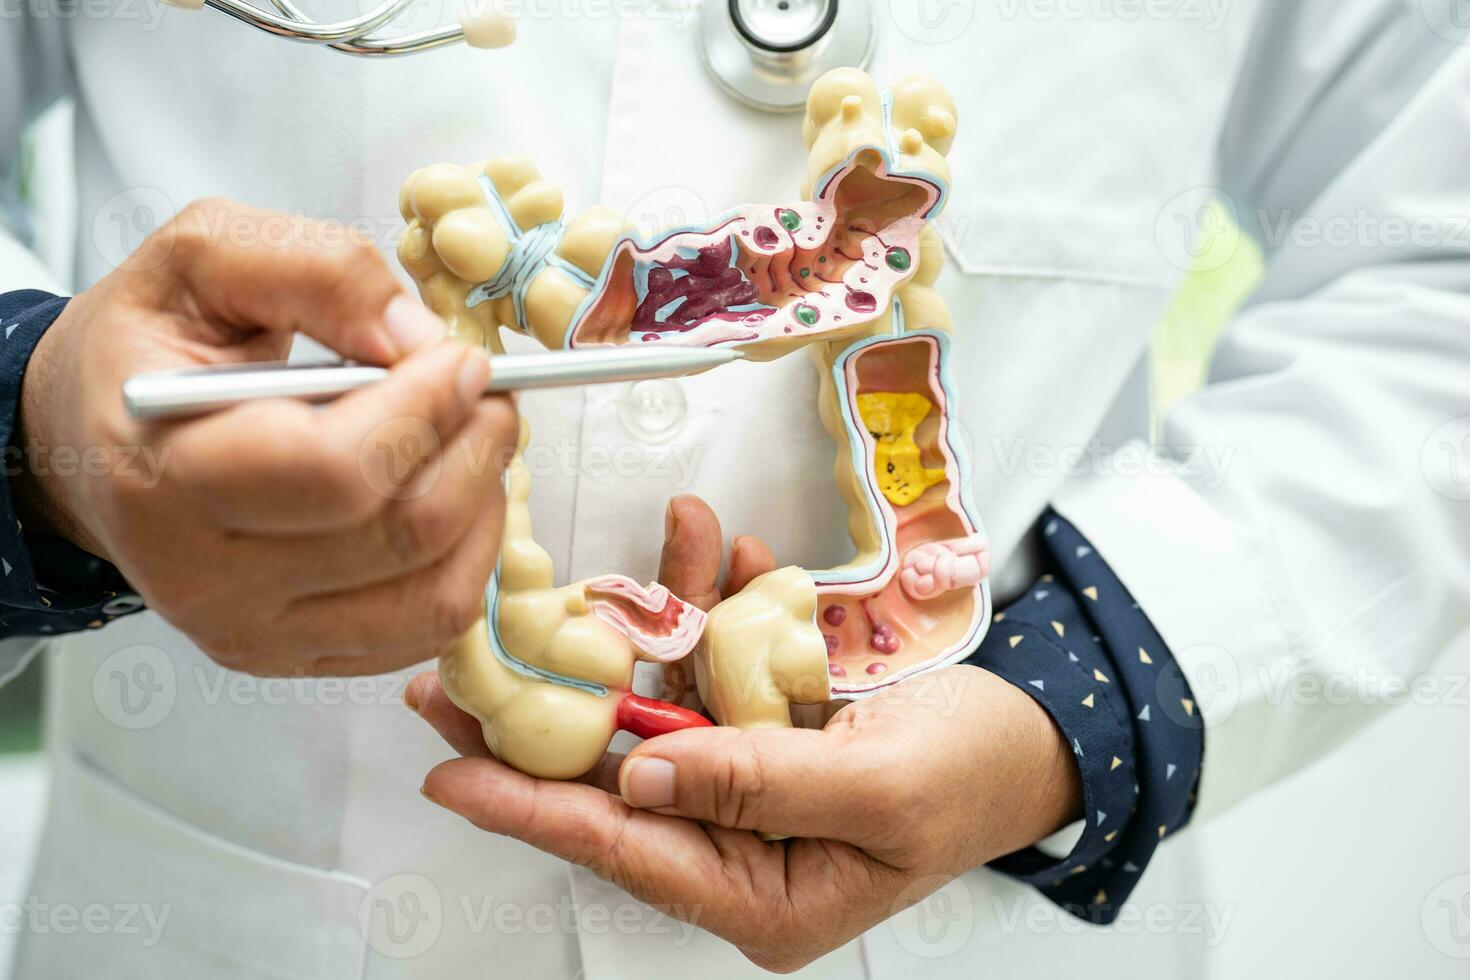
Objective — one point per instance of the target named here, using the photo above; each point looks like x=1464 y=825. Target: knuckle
x=334 y=473
x=191 y=228
x=360 y=253
x=187 y=235
x=738 y=788
x=420 y=531
x=354 y=265
x=502 y=420
x=452 y=612
x=346 y=490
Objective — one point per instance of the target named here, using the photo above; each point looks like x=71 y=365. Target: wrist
x=1048 y=785
x=40 y=491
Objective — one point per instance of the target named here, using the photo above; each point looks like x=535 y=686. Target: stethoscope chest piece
x=767 y=53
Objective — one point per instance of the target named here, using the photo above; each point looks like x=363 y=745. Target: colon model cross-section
x=847 y=273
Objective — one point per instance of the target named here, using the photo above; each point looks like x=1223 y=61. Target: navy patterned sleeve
x=48 y=585
x=1078 y=643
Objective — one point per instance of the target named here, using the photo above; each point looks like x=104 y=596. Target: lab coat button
x=653 y=411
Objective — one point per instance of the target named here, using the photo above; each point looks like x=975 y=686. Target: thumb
x=690 y=565
x=786 y=781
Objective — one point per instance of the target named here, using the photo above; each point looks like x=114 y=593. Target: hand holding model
x=885 y=820
x=354 y=538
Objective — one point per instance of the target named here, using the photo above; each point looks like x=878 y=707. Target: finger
x=749 y=560
x=604 y=775
x=281 y=467
x=408 y=535
x=661 y=860
x=792 y=782
x=254 y=269
x=426 y=697
x=406 y=621
x=690 y=564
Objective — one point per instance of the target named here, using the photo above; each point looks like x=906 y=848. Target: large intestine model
x=846 y=273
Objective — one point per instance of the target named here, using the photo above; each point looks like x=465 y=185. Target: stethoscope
x=764 y=53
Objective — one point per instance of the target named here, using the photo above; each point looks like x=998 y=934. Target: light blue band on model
x=530 y=252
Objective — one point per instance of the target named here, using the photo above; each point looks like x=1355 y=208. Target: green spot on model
x=806 y=314
x=790 y=220
x=898 y=259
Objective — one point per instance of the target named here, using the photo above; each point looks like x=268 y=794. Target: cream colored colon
x=761 y=650
x=548 y=730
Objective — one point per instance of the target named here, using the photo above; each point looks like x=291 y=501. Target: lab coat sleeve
x=1311 y=578
x=33 y=75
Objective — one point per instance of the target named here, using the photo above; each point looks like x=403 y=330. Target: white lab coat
x=1328 y=535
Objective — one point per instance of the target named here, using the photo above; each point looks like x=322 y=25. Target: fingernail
x=410 y=324
x=424 y=792
x=473 y=375
x=671 y=520
x=411 y=699
x=648 y=782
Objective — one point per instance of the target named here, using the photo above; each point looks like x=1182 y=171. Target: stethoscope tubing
x=761 y=72
x=349 y=36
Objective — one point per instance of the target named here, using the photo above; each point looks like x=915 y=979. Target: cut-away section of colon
x=847 y=274
x=799 y=272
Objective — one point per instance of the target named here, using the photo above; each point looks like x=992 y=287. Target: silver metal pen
x=161 y=395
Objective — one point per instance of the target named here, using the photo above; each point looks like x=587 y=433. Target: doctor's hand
x=353 y=538
x=895 y=796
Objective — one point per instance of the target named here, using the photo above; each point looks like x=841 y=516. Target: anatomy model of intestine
x=846 y=273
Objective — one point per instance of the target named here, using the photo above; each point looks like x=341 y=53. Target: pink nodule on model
x=938 y=567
